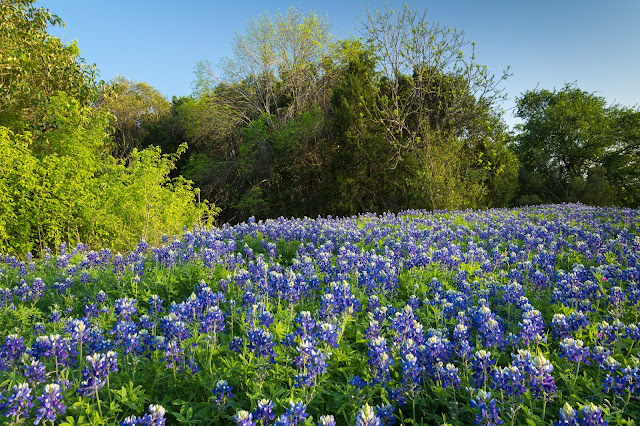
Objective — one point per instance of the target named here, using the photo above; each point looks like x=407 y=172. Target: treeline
x=298 y=123
x=295 y=123
x=58 y=179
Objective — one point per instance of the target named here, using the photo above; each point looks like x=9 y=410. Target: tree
x=561 y=145
x=57 y=182
x=276 y=68
x=437 y=105
x=428 y=82
x=622 y=160
x=358 y=176
x=137 y=107
x=34 y=66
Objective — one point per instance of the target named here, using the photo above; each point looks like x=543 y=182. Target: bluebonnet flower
x=95 y=372
x=600 y=355
x=436 y=349
x=244 y=418
x=50 y=404
x=542 y=382
x=574 y=351
x=410 y=369
x=482 y=362
x=12 y=349
x=155 y=417
x=264 y=411
x=611 y=364
x=626 y=382
x=461 y=340
x=34 y=370
x=101 y=297
x=222 y=391
x=373 y=330
x=173 y=354
x=488 y=326
x=606 y=333
x=414 y=302
x=62 y=350
x=54 y=316
x=193 y=365
x=448 y=375
x=6 y=297
x=306 y=323
x=327 y=420
x=616 y=296
x=532 y=327
x=125 y=308
x=91 y=311
x=18 y=403
x=261 y=343
x=512 y=292
x=380 y=359
x=213 y=321
x=155 y=305
x=488 y=414
x=174 y=328
x=297 y=412
x=509 y=379
x=522 y=359
x=328 y=333
x=633 y=332
x=236 y=344
x=39 y=328
x=380 y=314
x=367 y=417
x=592 y=416
x=265 y=319
x=357 y=382
x=568 y=416
x=404 y=326
x=373 y=303
x=561 y=327
x=385 y=412
x=311 y=362
x=282 y=420
x=126 y=335
x=338 y=301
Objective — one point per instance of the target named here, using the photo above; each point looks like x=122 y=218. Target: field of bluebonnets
x=526 y=316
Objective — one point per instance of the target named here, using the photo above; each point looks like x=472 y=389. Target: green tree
x=358 y=176
x=429 y=82
x=622 y=160
x=57 y=182
x=561 y=146
x=437 y=105
x=137 y=107
x=34 y=66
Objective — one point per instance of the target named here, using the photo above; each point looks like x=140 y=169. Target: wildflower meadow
x=508 y=316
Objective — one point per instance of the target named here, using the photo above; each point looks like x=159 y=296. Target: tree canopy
x=58 y=181
x=573 y=147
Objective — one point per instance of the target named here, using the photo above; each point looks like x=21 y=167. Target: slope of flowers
x=493 y=317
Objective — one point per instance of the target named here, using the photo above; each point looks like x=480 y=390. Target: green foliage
x=140 y=202
x=35 y=66
x=572 y=147
x=65 y=190
x=137 y=107
x=58 y=181
x=358 y=176
x=296 y=124
x=623 y=162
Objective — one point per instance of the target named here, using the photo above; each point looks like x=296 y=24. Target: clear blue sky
x=595 y=43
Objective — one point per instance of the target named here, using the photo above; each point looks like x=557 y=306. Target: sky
x=546 y=44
